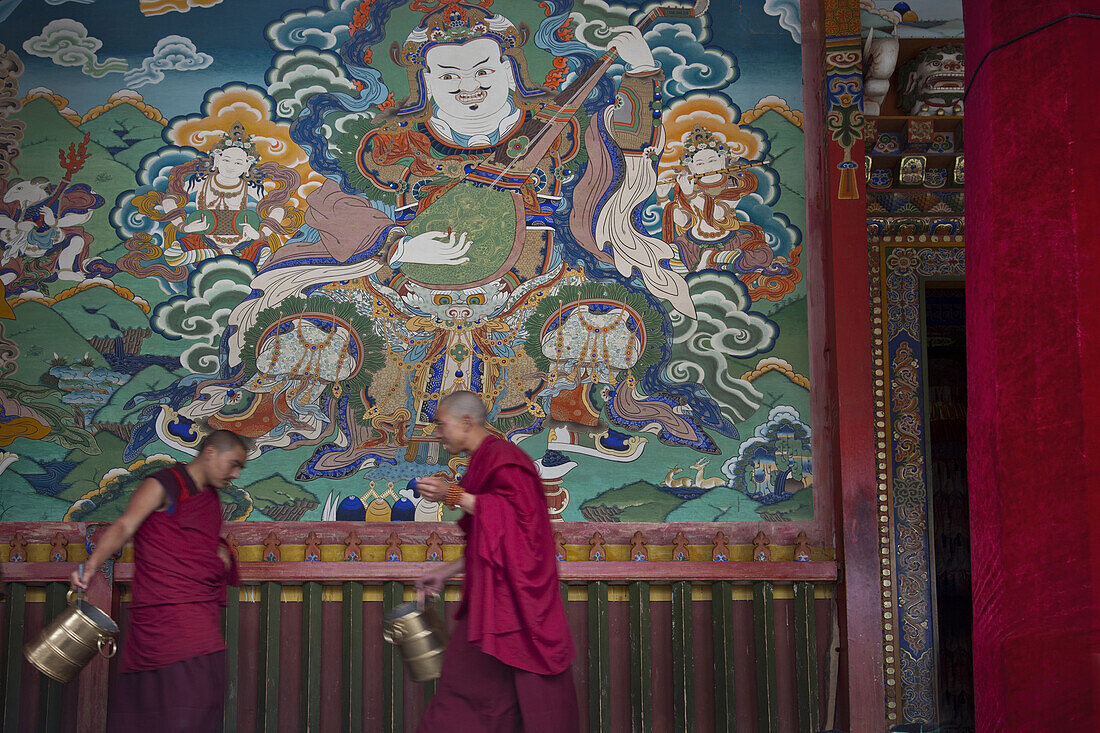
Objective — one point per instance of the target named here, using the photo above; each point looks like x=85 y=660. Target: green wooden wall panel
x=309 y=711
x=267 y=703
x=393 y=675
x=805 y=652
x=15 y=610
x=683 y=702
x=641 y=665
x=725 y=715
x=351 y=661
x=231 y=619
x=49 y=691
x=599 y=659
x=763 y=624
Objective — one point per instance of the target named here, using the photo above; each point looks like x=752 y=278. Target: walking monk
x=507 y=667
x=172 y=671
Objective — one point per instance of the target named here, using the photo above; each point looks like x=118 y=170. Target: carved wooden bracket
x=680 y=547
x=761 y=552
x=638 y=549
x=271 y=548
x=313 y=547
x=393 y=548
x=721 y=551
x=598 y=551
x=352 y=550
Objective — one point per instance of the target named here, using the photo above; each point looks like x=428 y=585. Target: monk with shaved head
x=508 y=666
x=172 y=675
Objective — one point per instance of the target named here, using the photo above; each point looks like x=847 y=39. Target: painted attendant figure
x=507 y=667
x=173 y=668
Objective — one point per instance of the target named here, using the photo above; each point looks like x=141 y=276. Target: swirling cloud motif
x=688 y=65
x=172 y=53
x=160 y=7
x=678 y=49
x=66 y=42
x=321 y=28
x=295 y=77
x=789 y=16
x=779 y=233
x=251 y=107
x=704 y=349
x=217 y=286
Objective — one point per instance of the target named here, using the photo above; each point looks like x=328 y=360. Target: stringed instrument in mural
x=494 y=187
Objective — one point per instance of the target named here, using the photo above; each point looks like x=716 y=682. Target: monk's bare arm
x=149 y=497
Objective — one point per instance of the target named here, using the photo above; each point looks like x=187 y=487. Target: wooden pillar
x=1033 y=346
x=841 y=343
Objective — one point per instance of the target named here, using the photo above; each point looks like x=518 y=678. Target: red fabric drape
x=1033 y=325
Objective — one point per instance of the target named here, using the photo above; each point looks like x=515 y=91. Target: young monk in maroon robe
x=508 y=665
x=172 y=670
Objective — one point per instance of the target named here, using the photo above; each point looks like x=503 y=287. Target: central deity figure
x=437 y=224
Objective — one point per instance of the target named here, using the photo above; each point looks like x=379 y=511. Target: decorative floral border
x=898 y=266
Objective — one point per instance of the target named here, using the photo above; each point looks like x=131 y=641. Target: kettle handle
x=79 y=592
x=108 y=643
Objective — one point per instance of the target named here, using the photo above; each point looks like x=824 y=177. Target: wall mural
x=309 y=223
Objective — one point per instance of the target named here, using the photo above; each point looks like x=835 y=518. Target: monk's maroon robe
x=513 y=645
x=174 y=633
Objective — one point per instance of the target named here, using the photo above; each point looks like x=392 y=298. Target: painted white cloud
x=66 y=42
x=789 y=16
x=219 y=285
x=320 y=28
x=172 y=53
x=295 y=77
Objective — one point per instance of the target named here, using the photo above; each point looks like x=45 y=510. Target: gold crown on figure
x=457 y=23
x=236 y=138
x=700 y=138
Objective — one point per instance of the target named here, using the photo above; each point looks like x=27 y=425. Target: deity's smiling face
x=707 y=160
x=232 y=162
x=471 y=80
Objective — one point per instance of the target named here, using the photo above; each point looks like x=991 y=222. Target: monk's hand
x=432 y=488
x=223 y=553
x=81 y=577
x=430 y=583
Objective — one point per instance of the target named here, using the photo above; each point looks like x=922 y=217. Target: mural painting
x=309 y=223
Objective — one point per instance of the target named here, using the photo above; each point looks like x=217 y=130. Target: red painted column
x=1033 y=344
x=841 y=347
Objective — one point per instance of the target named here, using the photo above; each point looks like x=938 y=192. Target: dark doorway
x=945 y=334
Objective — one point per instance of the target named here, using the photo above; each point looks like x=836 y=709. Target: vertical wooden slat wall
x=15 y=609
x=763 y=624
x=599 y=659
x=805 y=651
x=351 y=667
x=231 y=619
x=267 y=703
x=309 y=715
x=742 y=657
x=683 y=694
x=393 y=675
x=49 y=691
x=641 y=679
x=725 y=715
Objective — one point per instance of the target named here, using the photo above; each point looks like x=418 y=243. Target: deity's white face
x=468 y=81
x=232 y=162
x=706 y=160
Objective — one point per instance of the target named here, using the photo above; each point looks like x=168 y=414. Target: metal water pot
x=421 y=635
x=72 y=639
